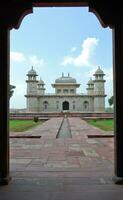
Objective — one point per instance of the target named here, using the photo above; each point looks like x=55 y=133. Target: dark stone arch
x=109 y=14
x=13 y=12
x=65 y=105
x=101 y=9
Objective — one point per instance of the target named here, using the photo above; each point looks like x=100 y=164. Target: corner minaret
x=41 y=89
x=90 y=88
x=99 y=91
x=32 y=91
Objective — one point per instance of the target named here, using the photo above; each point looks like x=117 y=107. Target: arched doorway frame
x=65 y=105
x=11 y=14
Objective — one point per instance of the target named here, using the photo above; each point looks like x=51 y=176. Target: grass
x=22 y=125
x=104 y=124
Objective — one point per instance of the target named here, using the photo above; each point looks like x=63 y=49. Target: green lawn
x=104 y=124
x=22 y=125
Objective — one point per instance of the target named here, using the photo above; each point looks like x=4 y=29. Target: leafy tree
x=111 y=100
x=11 y=91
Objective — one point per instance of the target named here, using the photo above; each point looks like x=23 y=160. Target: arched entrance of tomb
x=11 y=14
x=65 y=105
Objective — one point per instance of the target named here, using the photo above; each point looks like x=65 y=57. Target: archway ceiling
x=13 y=11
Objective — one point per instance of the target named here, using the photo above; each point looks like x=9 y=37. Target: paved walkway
x=63 y=155
x=62 y=168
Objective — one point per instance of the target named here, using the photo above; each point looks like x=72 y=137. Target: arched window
x=57 y=105
x=45 y=105
x=73 y=105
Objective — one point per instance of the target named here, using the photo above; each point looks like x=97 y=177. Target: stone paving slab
x=58 y=188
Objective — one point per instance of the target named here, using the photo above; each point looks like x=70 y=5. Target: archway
x=65 y=105
x=11 y=16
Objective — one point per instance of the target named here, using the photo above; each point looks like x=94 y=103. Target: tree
x=111 y=100
x=11 y=91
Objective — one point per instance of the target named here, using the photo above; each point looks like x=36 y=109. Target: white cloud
x=17 y=56
x=20 y=57
x=67 y=60
x=84 y=58
x=36 y=61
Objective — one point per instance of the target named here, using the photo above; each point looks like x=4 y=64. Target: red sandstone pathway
x=78 y=156
x=77 y=168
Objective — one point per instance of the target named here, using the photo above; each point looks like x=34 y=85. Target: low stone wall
x=62 y=114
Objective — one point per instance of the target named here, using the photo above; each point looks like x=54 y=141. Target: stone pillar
x=118 y=99
x=4 y=104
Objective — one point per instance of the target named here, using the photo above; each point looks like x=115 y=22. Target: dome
x=32 y=72
x=90 y=82
x=41 y=82
x=99 y=71
x=65 y=79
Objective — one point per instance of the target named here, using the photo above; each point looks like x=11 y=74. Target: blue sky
x=56 y=40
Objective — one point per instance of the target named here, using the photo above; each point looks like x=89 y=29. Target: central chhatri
x=65 y=79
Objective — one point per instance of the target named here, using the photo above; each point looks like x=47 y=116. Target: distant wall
x=62 y=114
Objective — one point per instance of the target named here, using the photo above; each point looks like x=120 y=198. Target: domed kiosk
x=32 y=73
x=65 y=79
x=65 y=85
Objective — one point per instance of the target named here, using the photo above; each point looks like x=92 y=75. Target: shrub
x=35 y=119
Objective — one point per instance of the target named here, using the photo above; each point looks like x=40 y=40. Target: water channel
x=64 y=131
